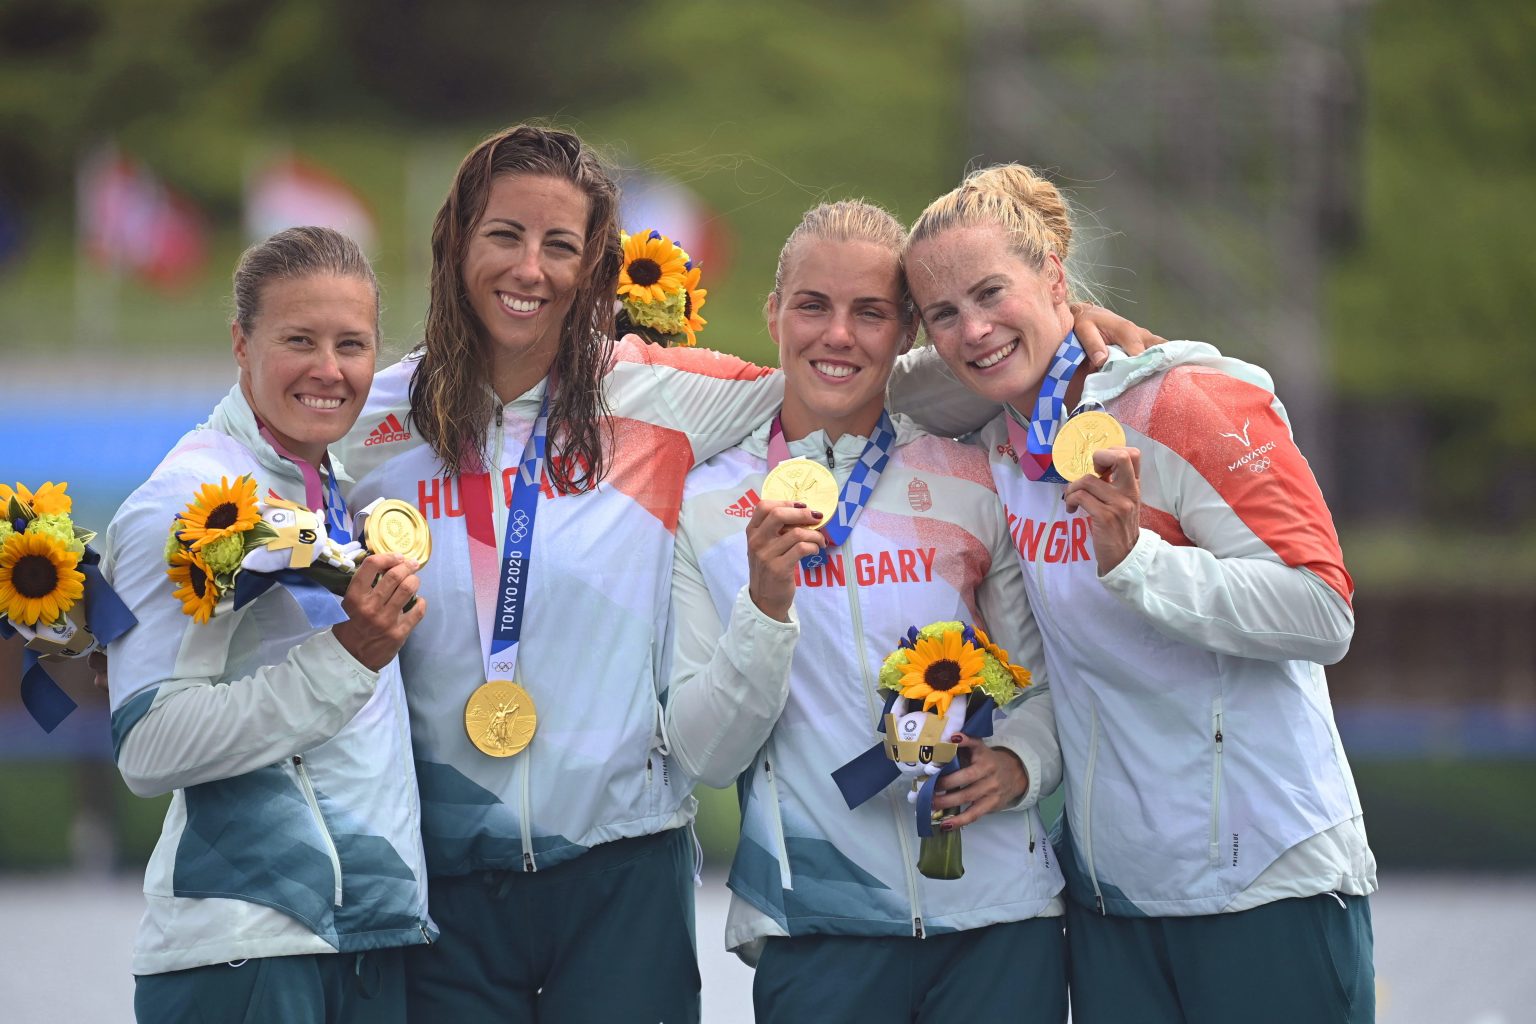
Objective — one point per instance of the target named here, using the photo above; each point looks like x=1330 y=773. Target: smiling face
x=838 y=323
x=521 y=270
x=308 y=359
x=995 y=320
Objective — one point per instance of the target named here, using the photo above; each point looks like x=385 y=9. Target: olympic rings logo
x=520 y=524
x=501 y=666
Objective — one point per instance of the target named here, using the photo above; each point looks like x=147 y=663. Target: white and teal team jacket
x=1204 y=772
x=597 y=768
x=784 y=704
x=294 y=825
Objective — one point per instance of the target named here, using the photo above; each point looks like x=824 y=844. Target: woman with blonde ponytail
x=1189 y=588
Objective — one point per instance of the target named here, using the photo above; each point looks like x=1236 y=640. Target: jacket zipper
x=1093 y=757
x=785 y=875
x=1216 y=780
x=314 y=807
x=1093 y=741
x=498 y=490
x=908 y=862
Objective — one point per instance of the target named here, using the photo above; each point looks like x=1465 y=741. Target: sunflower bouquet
x=943 y=679
x=230 y=544
x=659 y=294
x=51 y=592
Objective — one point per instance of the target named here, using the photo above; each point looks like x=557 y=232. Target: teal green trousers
x=322 y=988
x=607 y=937
x=1288 y=962
x=1013 y=973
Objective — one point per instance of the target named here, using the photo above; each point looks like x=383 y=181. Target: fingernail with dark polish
x=799 y=504
x=815 y=514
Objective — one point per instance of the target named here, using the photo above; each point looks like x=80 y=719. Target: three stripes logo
x=744 y=506
x=387 y=431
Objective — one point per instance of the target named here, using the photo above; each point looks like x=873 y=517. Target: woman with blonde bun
x=1189 y=589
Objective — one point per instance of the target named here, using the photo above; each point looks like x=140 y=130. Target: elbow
x=1333 y=653
x=146 y=785
x=133 y=765
x=709 y=771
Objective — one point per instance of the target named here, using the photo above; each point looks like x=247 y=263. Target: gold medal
x=804 y=481
x=396 y=527
x=1079 y=438
x=500 y=718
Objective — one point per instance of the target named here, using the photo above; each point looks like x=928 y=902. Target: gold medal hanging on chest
x=1081 y=436
x=804 y=481
x=500 y=718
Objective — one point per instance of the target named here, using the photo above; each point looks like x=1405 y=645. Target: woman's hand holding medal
x=377 y=622
x=778 y=536
x=1111 y=495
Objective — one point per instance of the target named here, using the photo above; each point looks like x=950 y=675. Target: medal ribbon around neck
x=501 y=595
x=337 y=520
x=855 y=493
x=1033 y=444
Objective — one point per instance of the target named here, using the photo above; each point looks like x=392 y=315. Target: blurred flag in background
x=290 y=192
x=129 y=221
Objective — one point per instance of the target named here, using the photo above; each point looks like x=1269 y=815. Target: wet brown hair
x=451 y=404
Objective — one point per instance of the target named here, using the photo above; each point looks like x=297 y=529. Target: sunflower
x=48 y=499
x=195 y=587
x=939 y=669
x=38 y=579
x=1021 y=675
x=653 y=268
x=220 y=510
x=692 y=322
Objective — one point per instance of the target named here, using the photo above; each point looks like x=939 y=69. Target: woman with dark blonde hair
x=287 y=875
x=549 y=460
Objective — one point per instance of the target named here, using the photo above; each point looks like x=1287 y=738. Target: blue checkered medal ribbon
x=855 y=494
x=1032 y=444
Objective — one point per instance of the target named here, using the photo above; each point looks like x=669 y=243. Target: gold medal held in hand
x=395 y=527
x=1081 y=436
x=804 y=481
x=500 y=718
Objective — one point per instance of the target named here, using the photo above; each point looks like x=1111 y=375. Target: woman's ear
x=771 y=314
x=1058 y=278
x=239 y=345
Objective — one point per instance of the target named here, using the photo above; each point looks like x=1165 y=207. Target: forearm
x=1029 y=730
x=196 y=732
x=729 y=692
x=923 y=388
x=1248 y=607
